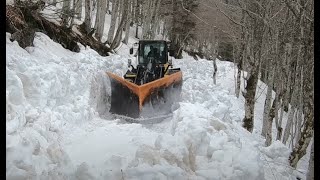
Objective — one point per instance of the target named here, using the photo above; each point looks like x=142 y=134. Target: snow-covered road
x=58 y=125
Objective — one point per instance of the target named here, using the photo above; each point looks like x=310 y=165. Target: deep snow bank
x=55 y=130
x=48 y=89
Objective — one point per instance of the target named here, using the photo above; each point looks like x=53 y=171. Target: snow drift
x=59 y=127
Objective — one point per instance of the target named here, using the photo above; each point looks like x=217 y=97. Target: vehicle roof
x=147 y=40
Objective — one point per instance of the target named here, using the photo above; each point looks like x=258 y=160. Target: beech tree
x=65 y=12
x=182 y=23
x=254 y=52
x=78 y=8
x=267 y=104
x=303 y=42
x=87 y=20
x=114 y=14
x=289 y=27
x=128 y=21
x=117 y=39
x=310 y=174
x=100 y=18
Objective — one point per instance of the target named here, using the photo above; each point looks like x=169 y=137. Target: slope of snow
x=58 y=125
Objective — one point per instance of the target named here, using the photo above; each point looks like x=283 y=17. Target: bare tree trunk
x=308 y=103
x=93 y=5
x=250 y=100
x=87 y=21
x=114 y=15
x=78 y=9
x=300 y=108
x=300 y=149
x=289 y=124
x=144 y=8
x=121 y=6
x=148 y=10
x=293 y=129
x=117 y=39
x=254 y=49
x=73 y=14
x=276 y=110
x=127 y=29
x=155 y=21
x=97 y=20
x=65 y=12
x=100 y=18
x=293 y=99
x=242 y=54
x=310 y=174
x=278 y=80
x=137 y=16
x=279 y=129
x=267 y=103
x=269 y=123
x=127 y=26
x=306 y=30
x=238 y=79
x=100 y=29
x=287 y=89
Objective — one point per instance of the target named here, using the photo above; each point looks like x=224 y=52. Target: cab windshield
x=152 y=50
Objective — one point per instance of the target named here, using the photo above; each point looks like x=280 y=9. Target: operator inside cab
x=155 y=50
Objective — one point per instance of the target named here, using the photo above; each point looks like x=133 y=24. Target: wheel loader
x=150 y=88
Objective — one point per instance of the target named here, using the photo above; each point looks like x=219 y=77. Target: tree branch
x=223 y=13
x=206 y=22
x=193 y=13
x=291 y=8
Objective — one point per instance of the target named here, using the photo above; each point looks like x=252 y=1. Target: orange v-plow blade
x=128 y=98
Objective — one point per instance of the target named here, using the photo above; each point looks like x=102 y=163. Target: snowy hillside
x=58 y=125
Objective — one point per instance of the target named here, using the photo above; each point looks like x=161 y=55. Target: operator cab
x=153 y=62
x=152 y=50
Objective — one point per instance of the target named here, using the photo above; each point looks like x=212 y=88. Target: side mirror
x=129 y=62
x=131 y=50
x=171 y=52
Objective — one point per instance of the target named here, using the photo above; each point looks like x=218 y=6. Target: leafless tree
x=117 y=39
x=267 y=104
x=310 y=174
x=65 y=12
x=114 y=14
x=100 y=18
x=78 y=8
x=87 y=21
x=128 y=22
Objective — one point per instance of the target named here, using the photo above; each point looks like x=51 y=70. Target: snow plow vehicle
x=149 y=89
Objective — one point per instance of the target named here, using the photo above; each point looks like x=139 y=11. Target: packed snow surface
x=59 y=127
